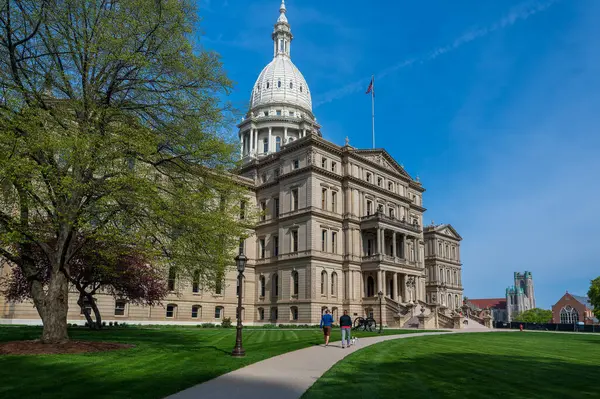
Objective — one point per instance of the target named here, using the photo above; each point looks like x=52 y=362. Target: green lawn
x=164 y=361
x=475 y=365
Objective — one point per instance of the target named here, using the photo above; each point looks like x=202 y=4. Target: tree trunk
x=96 y=312
x=53 y=306
x=85 y=312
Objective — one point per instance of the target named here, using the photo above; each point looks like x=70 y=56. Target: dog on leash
x=354 y=340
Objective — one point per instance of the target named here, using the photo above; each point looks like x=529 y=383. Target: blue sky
x=495 y=105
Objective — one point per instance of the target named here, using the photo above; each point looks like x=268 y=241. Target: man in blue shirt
x=326 y=322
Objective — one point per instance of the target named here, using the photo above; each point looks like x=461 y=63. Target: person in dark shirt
x=326 y=323
x=346 y=326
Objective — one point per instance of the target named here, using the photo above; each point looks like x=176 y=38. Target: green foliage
x=110 y=131
x=226 y=323
x=594 y=295
x=533 y=316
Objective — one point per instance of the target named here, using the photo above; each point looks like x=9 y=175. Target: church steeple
x=282 y=34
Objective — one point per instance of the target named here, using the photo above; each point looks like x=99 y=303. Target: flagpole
x=373 y=106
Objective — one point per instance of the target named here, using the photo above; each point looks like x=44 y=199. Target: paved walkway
x=285 y=376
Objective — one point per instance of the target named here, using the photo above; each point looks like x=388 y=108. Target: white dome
x=281 y=82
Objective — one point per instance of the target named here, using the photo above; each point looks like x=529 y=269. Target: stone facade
x=521 y=296
x=337 y=226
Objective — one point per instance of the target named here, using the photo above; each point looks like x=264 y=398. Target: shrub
x=110 y=324
x=208 y=325
x=116 y=324
x=103 y=324
x=226 y=323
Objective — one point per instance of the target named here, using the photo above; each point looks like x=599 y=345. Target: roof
x=496 y=303
x=584 y=300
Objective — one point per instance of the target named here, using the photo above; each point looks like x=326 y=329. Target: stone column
x=378 y=240
x=394 y=254
x=285 y=136
x=251 y=144
x=404 y=290
x=415 y=249
x=303 y=132
x=269 y=142
x=396 y=287
x=380 y=275
x=350 y=284
x=242 y=145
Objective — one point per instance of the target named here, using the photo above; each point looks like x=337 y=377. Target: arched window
x=323 y=282
x=300 y=88
x=333 y=283
x=456 y=302
x=569 y=315
x=294 y=283
x=172 y=277
x=275 y=288
x=449 y=300
x=171 y=311
x=441 y=275
x=323 y=309
x=279 y=84
x=448 y=281
x=268 y=84
x=334 y=313
x=455 y=278
x=294 y=313
x=262 y=286
x=196 y=312
x=291 y=85
x=277 y=143
x=370 y=286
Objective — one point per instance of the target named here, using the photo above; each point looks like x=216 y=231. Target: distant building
x=521 y=296
x=496 y=305
x=571 y=309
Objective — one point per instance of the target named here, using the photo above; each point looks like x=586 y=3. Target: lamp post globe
x=380 y=295
x=238 y=350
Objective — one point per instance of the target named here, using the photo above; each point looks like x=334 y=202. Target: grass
x=164 y=361
x=475 y=365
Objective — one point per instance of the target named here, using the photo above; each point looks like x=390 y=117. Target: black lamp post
x=380 y=295
x=239 y=351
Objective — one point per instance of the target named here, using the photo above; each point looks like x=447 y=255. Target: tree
x=594 y=295
x=110 y=132
x=121 y=273
x=535 y=315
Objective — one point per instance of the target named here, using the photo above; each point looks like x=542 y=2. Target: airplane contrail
x=519 y=13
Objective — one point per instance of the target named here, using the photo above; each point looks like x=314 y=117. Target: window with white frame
x=120 y=308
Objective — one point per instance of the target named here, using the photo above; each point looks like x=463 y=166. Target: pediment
x=382 y=158
x=449 y=231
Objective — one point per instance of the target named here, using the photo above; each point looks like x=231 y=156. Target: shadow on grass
x=459 y=375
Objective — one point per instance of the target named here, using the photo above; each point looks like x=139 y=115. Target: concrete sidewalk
x=285 y=376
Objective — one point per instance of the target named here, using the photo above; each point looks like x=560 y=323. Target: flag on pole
x=371 y=88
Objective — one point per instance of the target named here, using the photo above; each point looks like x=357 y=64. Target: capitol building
x=338 y=225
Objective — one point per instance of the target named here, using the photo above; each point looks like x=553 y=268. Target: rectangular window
x=266 y=145
x=296 y=164
x=333 y=201
x=278 y=112
x=324 y=163
x=323 y=240
x=261 y=314
x=218 y=312
x=171 y=311
x=275 y=245
x=379 y=181
x=369 y=208
x=324 y=199
x=334 y=242
x=295 y=199
x=333 y=166
x=195 y=311
x=369 y=247
x=120 y=308
x=294 y=243
x=196 y=281
x=263 y=178
x=391 y=212
x=261 y=248
x=368 y=177
x=242 y=210
x=276 y=207
x=276 y=171
x=263 y=210
x=390 y=186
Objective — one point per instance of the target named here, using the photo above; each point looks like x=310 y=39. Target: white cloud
x=519 y=13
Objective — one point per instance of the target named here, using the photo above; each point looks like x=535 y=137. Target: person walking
x=346 y=326
x=326 y=323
